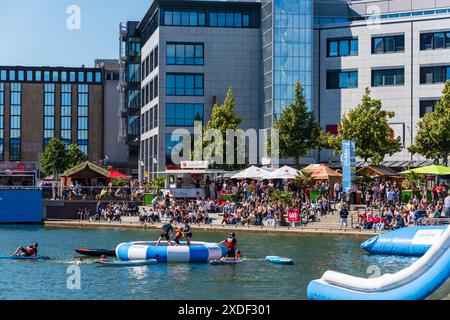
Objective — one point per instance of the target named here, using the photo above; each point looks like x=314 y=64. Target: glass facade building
x=287 y=39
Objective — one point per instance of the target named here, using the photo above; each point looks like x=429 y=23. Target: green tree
x=53 y=160
x=223 y=118
x=75 y=156
x=299 y=131
x=368 y=126
x=433 y=138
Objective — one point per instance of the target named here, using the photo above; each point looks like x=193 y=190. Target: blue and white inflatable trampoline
x=411 y=241
x=197 y=252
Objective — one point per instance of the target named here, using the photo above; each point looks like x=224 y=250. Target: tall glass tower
x=287 y=36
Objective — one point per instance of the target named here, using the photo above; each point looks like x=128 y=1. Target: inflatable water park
x=416 y=282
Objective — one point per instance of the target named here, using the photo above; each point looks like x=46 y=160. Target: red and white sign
x=194 y=164
x=293 y=215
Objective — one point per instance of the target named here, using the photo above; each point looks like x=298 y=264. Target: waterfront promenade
x=322 y=228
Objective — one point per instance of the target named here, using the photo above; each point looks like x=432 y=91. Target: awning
x=113 y=174
x=433 y=170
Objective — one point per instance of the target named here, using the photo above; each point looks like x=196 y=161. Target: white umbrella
x=285 y=173
x=251 y=173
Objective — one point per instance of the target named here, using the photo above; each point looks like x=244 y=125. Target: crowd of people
x=132 y=190
x=112 y=211
x=387 y=209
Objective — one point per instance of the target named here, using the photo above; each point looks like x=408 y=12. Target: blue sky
x=35 y=33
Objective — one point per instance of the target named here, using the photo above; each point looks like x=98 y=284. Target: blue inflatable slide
x=416 y=282
x=413 y=241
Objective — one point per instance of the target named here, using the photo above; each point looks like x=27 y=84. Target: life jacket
x=179 y=233
x=31 y=251
x=230 y=243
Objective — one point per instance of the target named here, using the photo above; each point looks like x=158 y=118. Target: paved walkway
x=133 y=223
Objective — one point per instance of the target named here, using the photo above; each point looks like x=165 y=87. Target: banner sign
x=348 y=165
x=293 y=215
x=194 y=164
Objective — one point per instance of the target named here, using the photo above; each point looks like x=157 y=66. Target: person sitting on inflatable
x=231 y=244
x=178 y=236
x=30 y=251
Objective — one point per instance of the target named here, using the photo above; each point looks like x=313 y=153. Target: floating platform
x=197 y=252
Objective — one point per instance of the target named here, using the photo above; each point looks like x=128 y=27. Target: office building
x=183 y=56
x=39 y=103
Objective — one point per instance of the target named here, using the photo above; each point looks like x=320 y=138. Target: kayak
x=279 y=260
x=127 y=263
x=96 y=252
x=25 y=258
x=223 y=262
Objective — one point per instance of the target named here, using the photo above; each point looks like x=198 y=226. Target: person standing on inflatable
x=166 y=233
x=231 y=244
x=187 y=232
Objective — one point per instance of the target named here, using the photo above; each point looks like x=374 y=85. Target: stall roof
x=86 y=165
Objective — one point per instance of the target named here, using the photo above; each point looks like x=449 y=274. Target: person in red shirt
x=30 y=251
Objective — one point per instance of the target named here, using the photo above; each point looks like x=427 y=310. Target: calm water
x=253 y=279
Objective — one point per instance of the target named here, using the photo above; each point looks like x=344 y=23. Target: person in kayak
x=30 y=251
x=178 y=236
x=187 y=232
x=166 y=233
x=231 y=244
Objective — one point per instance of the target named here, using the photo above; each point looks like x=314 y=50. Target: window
x=98 y=77
x=80 y=76
x=427 y=106
x=184 y=54
x=3 y=75
x=66 y=114
x=439 y=74
x=29 y=75
x=133 y=99
x=63 y=76
x=342 y=47
x=183 y=114
x=37 y=76
x=180 y=84
x=83 y=116
x=15 y=122
x=12 y=75
x=46 y=76
x=388 y=77
x=156 y=57
x=432 y=41
x=49 y=113
x=134 y=72
x=229 y=19
x=388 y=44
x=184 y=18
x=342 y=79
x=72 y=76
x=171 y=142
x=89 y=77
x=20 y=75
x=55 y=76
